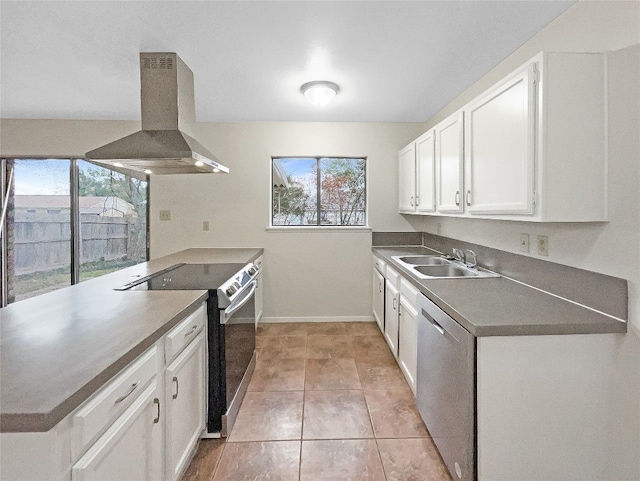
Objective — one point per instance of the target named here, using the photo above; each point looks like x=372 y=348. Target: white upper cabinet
x=530 y=148
x=499 y=147
x=416 y=173
x=425 y=172
x=449 y=164
x=407 y=179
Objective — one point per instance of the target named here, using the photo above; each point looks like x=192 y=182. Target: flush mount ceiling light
x=320 y=92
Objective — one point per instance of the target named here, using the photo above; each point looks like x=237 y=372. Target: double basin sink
x=438 y=267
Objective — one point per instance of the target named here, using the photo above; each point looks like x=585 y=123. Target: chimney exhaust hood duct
x=164 y=145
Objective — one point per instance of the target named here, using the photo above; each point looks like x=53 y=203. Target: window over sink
x=318 y=191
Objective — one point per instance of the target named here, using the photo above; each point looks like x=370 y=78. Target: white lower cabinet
x=378 y=298
x=392 y=303
x=184 y=407
x=259 y=295
x=408 y=333
x=131 y=448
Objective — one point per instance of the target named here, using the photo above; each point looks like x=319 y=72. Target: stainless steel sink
x=424 y=260
x=437 y=267
x=451 y=271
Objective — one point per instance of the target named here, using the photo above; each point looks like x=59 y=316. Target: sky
x=45 y=177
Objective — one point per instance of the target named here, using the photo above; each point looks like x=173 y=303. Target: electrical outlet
x=543 y=245
x=205 y=225
x=439 y=228
x=165 y=215
x=524 y=242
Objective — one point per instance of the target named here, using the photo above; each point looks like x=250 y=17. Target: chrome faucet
x=473 y=262
x=458 y=255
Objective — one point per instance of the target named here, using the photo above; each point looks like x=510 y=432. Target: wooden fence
x=42 y=242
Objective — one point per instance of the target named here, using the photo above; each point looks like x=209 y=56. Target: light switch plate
x=165 y=215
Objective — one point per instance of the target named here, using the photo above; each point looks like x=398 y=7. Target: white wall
x=308 y=274
x=611 y=248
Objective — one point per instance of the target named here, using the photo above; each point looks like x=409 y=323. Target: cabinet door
x=407 y=179
x=378 y=298
x=408 y=341
x=500 y=128
x=259 y=293
x=449 y=163
x=131 y=448
x=184 y=401
x=425 y=172
x=391 y=317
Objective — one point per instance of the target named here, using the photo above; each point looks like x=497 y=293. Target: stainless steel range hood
x=165 y=144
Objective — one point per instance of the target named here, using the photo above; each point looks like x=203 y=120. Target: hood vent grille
x=165 y=144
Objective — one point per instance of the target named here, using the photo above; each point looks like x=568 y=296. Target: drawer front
x=186 y=331
x=112 y=400
x=380 y=265
x=392 y=277
x=409 y=292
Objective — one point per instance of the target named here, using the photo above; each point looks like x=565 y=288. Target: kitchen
x=299 y=263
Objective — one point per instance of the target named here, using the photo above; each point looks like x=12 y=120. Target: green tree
x=343 y=189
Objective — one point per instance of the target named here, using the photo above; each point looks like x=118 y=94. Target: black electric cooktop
x=187 y=277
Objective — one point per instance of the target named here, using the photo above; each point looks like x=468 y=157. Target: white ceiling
x=395 y=61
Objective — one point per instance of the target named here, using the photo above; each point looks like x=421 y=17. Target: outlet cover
x=205 y=225
x=524 y=242
x=543 y=245
x=165 y=215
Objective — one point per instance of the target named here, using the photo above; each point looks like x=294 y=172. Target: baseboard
x=318 y=319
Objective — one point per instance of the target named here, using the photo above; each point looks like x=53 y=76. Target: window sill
x=300 y=228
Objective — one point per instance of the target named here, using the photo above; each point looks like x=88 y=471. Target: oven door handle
x=239 y=302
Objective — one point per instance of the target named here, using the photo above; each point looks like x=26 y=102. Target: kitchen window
x=318 y=191
x=68 y=220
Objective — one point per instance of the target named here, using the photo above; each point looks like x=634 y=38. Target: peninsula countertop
x=59 y=348
x=499 y=306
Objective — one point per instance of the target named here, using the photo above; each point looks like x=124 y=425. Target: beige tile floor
x=327 y=402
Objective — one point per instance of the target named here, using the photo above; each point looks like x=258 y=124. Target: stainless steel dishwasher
x=446 y=387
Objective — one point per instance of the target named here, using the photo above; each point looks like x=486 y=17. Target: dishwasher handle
x=438 y=326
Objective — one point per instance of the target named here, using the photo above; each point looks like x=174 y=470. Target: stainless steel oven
x=231 y=331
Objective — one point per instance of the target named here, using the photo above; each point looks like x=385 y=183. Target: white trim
x=270 y=320
x=316 y=228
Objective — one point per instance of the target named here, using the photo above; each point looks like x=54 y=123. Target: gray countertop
x=57 y=349
x=501 y=306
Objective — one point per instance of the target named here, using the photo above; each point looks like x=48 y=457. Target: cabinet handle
x=394 y=303
x=379 y=286
x=193 y=329
x=457 y=197
x=417 y=200
x=468 y=197
x=156 y=401
x=411 y=201
x=125 y=396
x=175 y=379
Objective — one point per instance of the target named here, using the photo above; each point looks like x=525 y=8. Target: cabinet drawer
x=181 y=335
x=112 y=400
x=408 y=292
x=380 y=265
x=392 y=277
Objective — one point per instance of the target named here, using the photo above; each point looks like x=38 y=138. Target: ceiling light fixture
x=320 y=92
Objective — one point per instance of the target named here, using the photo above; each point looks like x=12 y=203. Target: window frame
x=320 y=227
x=75 y=221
